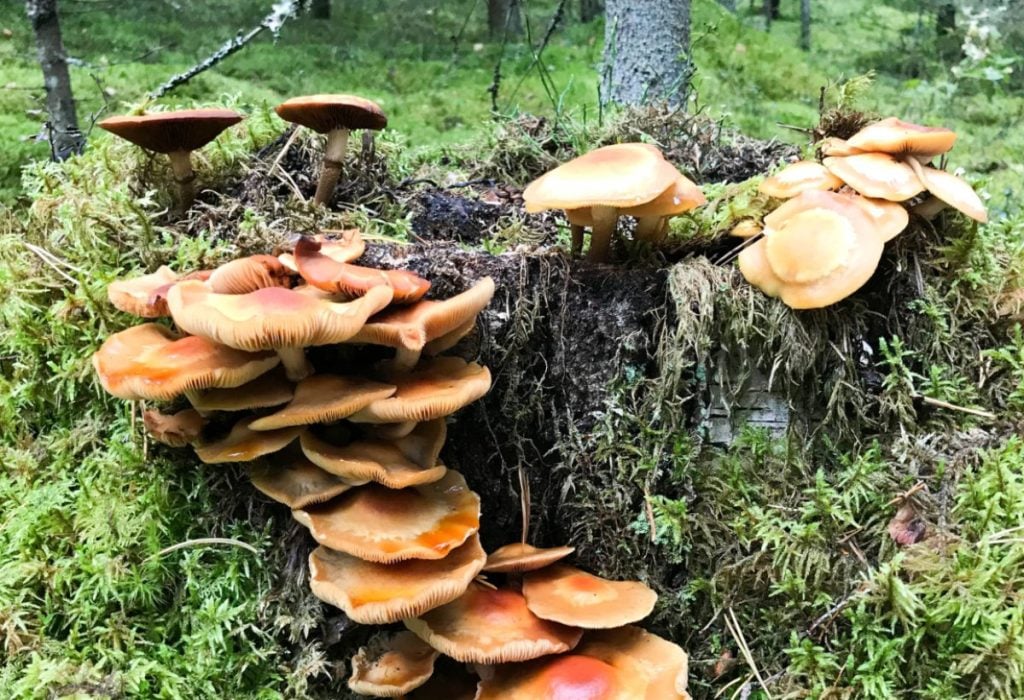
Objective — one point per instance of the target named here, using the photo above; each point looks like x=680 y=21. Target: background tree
x=590 y=9
x=805 y=25
x=646 y=47
x=730 y=5
x=65 y=137
x=504 y=16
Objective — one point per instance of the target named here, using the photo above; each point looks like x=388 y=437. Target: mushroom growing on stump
x=295 y=481
x=351 y=281
x=573 y=597
x=519 y=557
x=176 y=134
x=878 y=175
x=902 y=138
x=370 y=460
x=325 y=398
x=174 y=430
x=243 y=444
x=799 y=177
x=336 y=116
x=392 y=666
x=138 y=295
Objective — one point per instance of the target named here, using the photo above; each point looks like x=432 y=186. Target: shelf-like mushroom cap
x=138 y=296
x=270 y=318
x=325 y=398
x=323 y=113
x=370 y=460
x=379 y=524
x=491 y=626
x=166 y=132
x=296 y=482
x=152 y=362
x=623 y=175
x=378 y=594
x=660 y=667
x=423 y=443
x=799 y=177
x=350 y=281
x=175 y=430
x=564 y=677
x=952 y=190
x=519 y=557
x=565 y=594
x=412 y=327
x=242 y=444
x=878 y=175
x=898 y=137
x=392 y=666
x=435 y=388
x=248 y=274
x=270 y=389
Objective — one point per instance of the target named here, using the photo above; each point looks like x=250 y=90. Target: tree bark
x=65 y=137
x=805 y=25
x=320 y=9
x=730 y=5
x=504 y=16
x=590 y=9
x=646 y=51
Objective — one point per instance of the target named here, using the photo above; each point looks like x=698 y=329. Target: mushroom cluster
x=825 y=241
x=355 y=455
x=627 y=179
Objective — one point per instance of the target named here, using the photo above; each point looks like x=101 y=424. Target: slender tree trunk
x=730 y=5
x=504 y=16
x=320 y=9
x=590 y=9
x=646 y=47
x=805 y=25
x=65 y=137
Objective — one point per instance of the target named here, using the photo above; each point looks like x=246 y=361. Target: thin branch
x=203 y=541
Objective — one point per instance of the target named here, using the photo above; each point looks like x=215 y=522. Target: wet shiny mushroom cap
x=952 y=190
x=565 y=594
x=898 y=137
x=658 y=666
x=165 y=132
x=350 y=281
x=564 y=677
x=323 y=113
x=799 y=177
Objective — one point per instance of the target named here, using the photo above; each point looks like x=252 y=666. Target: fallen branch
x=205 y=541
x=281 y=12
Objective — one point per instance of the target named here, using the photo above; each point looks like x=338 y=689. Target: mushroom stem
x=296 y=366
x=405 y=359
x=605 y=220
x=647 y=228
x=334 y=157
x=929 y=208
x=184 y=176
x=576 y=247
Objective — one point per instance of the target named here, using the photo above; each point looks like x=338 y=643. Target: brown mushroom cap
x=565 y=594
x=350 y=281
x=296 y=482
x=242 y=444
x=659 y=665
x=270 y=318
x=164 y=132
x=898 y=137
x=435 y=347
x=384 y=525
x=175 y=430
x=878 y=175
x=437 y=387
x=377 y=594
x=323 y=113
x=519 y=557
x=392 y=666
x=325 y=398
x=799 y=177
x=138 y=296
x=248 y=274
x=151 y=362
x=564 y=677
x=622 y=175
x=370 y=460
x=270 y=389
x=487 y=626
x=423 y=443
x=952 y=190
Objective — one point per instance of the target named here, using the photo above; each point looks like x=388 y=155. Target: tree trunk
x=805 y=25
x=320 y=9
x=65 y=137
x=590 y=9
x=646 y=47
x=730 y=5
x=504 y=16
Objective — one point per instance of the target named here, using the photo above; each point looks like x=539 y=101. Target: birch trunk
x=65 y=137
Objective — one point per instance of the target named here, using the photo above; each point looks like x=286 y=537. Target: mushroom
x=296 y=482
x=519 y=557
x=384 y=525
x=898 y=137
x=436 y=388
x=350 y=281
x=370 y=460
x=379 y=594
x=175 y=430
x=652 y=217
x=565 y=594
x=878 y=175
x=951 y=189
x=346 y=248
x=137 y=295
x=488 y=625
x=248 y=274
x=604 y=181
x=243 y=444
x=270 y=389
x=152 y=362
x=566 y=677
x=392 y=666
x=888 y=218
x=423 y=443
x=272 y=319
x=661 y=666
x=176 y=134
x=799 y=177
x=748 y=228
x=325 y=398
x=336 y=116
x=409 y=329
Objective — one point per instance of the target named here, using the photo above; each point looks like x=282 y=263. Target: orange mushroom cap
x=661 y=666
x=681 y=197
x=437 y=387
x=347 y=247
x=325 y=398
x=175 y=430
x=352 y=281
x=488 y=626
x=370 y=460
x=296 y=482
x=164 y=132
x=565 y=594
x=878 y=175
x=137 y=295
x=242 y=444
x=323 y=113
x=898 y=137
x=748 y=228
x=392 y=666
x=888 y=218
x=799 y=177
x=519 y=557
x=952 y=190
x=248 y=274
x=384 y=525
x=270 y=389
x=377 y=594
x=151 y=362
x=565 y=677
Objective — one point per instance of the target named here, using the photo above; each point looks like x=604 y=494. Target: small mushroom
x=436 y=388
x=175 y=430
x=296 y=482
x=652 y=217
x=176 y=134
x=336 y=116
x=379 y=594
x=898 y=137
x=351 y=281
x=491 y=626
x=878 y=175
x=248 y=274
x=565 y=594
x=748 y=228
x=270 y=389
x=138 y=295
x=347 y=247
x=325 y=398
x=519 y=557
x=392 y=666
x=383 y=525
x=243 y=444
x=370 y=460
x=799 y=177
